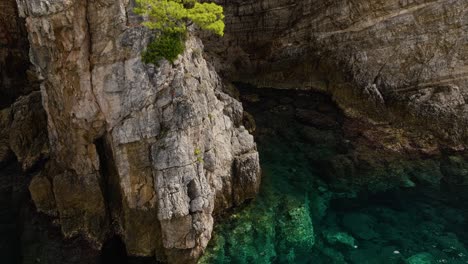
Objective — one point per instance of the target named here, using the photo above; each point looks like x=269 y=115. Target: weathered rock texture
x=22 y=118
x=393 y=62
x=25 y=132
x=149 y=153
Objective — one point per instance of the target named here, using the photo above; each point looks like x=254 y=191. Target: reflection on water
x=302 y=217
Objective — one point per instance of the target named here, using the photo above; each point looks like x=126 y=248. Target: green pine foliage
x=168 y=46
x=208 y=16
x=171 y=17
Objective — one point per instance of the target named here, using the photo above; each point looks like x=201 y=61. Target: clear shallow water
x=298 y=218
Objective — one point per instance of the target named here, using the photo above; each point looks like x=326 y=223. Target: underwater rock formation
x=354 y=202
x=146 y=152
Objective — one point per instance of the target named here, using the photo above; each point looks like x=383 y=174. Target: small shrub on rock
x=168 y=46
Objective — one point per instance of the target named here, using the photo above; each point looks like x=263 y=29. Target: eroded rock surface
x=22 y=118
x=27 y=131
x=393 y=62
x=149 y=153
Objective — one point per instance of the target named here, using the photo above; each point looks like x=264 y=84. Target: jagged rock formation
x=148 y=153
x=398 y=64
x=22 y=118
x=23 y=131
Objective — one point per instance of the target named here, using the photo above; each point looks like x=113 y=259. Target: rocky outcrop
x=26 y=131
x=396 y=63
x=149 y=153
x=22 y=118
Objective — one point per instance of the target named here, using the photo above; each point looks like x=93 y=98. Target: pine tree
x=174 y=15
x=171 y=18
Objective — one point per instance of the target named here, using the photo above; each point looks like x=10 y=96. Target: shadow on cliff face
x=114 y=252
x=14 y=55
x=331 y=196
x=28 y=237
x=9 y=210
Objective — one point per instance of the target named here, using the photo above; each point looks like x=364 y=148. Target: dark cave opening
x=114 y=252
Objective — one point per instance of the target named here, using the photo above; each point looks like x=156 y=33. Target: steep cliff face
x=148 y=153
x=390 y=62
x=22 y=118
x=151 y=153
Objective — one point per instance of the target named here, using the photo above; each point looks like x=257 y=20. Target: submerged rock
x=343 y=238
x=361 y=225
x=334 y=255
x=297 y=227
x=450 y=243
x=421 y=258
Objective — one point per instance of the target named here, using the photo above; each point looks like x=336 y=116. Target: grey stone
x=159 y=142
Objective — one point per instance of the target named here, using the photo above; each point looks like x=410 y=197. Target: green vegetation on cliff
x=167 y=46
x=171 y=18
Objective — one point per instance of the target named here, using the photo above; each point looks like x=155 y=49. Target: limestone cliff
x=146 y=152
x=398 y=64
x=150 y=153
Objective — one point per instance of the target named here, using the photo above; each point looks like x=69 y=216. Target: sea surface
x=299 y=217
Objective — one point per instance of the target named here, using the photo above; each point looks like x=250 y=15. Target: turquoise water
x=301 y=216
x=309 y=210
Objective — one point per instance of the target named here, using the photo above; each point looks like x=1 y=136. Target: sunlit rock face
x=398 y=62
x=148 y=153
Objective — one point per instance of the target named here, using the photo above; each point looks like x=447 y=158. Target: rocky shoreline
x=148 y=155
